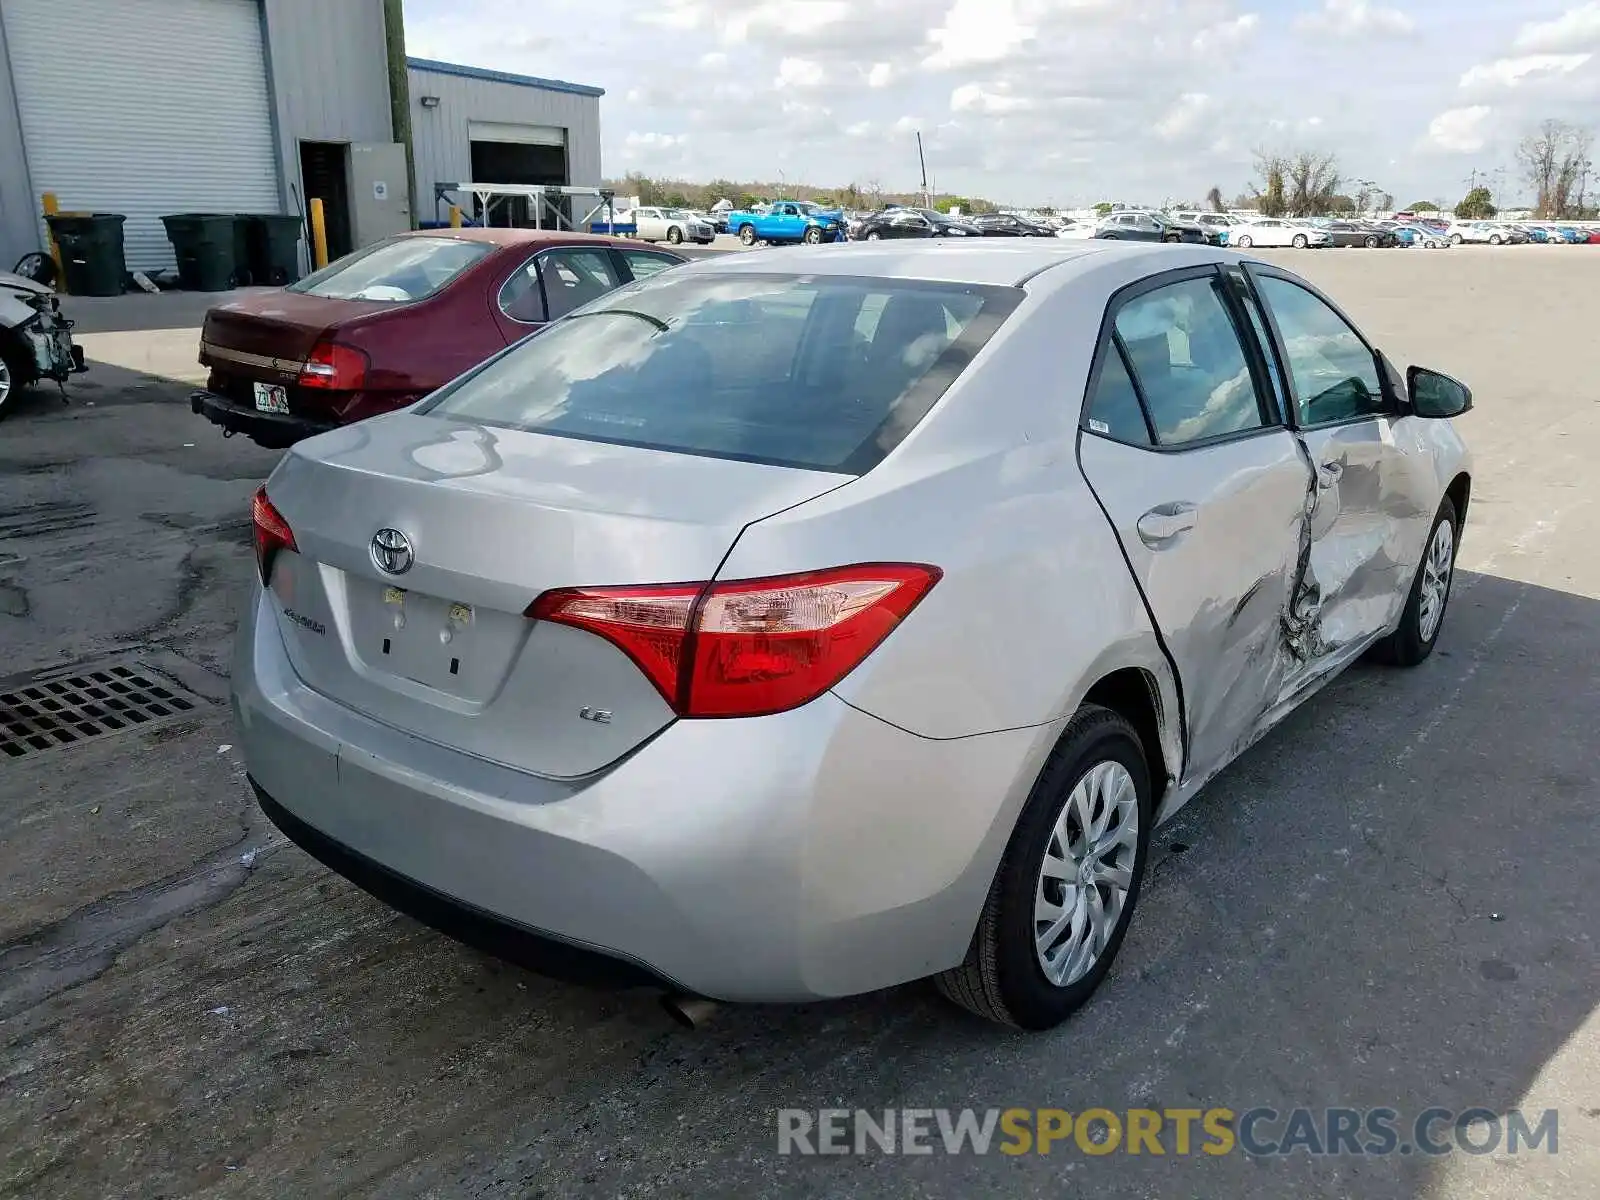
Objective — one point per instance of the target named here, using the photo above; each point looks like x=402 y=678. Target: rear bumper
x=276 y=431
x=815 y=853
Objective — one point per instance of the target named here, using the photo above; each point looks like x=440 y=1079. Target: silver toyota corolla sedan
x=782 y=627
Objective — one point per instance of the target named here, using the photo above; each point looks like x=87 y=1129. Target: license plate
x=271 y=398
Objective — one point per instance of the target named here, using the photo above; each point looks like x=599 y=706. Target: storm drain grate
x=44 y=714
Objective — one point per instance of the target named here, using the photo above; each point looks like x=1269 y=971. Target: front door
x=1362 y=529
x=1206 y=489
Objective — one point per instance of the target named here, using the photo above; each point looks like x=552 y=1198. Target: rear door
x=552 y=283
x=1366 y=529
x=1206 y=489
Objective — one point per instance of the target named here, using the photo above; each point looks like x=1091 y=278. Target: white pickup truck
x=673 y=225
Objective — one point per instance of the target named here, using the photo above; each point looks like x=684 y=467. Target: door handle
x=1328 y=474
x=1161 y=524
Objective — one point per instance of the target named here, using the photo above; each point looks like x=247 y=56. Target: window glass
x=573 y=277
x=1186 y=354
x=1280 y=394
x=826 y=372
x=1334 y=374
x=520 y=298
x=403 y=269
x=1115 y=412
x=643 y=264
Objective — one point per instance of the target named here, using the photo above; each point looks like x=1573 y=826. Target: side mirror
x=1436 y=395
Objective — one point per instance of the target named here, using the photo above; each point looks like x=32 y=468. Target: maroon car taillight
x=272 y=533
x=335 y=367
x=747 y=647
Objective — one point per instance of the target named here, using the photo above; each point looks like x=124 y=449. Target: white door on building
x=145 y=107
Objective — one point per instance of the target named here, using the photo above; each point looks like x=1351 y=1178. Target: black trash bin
x=273 y=242
x=210 y=248
x=92 y=262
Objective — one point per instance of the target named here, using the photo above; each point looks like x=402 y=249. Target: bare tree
x=1313 y=181
x=1214 y=200
x=1555 y=162
x=1270 y=195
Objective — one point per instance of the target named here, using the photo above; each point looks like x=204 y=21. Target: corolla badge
x=391 y=552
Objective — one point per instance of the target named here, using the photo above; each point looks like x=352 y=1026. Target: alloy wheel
x=1436 y=571
x=1086 y=873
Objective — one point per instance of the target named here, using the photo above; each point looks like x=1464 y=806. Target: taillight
x=335 y=367
x=272 y=533
x=748 y=647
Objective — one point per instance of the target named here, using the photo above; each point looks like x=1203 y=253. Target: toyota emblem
x=391 y=552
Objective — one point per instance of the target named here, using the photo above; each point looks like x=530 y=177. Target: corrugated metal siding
x=443 y=149
x=111 y=126
x=18 y=225
x=330 y=75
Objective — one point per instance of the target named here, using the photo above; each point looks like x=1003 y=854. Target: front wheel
x=1423 y=617
x=1065 y=891
x=1372 y=243
x=747 y=234
x=1495 y=239
x=812 y=235
x=13 y=379
x=1171 y=237
x=1244 y=242
x=1455 y=239
x=675 y=236
x=874 y=236
x=1299 y=242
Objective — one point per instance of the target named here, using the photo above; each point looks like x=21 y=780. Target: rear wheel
x=1371 y=242
x=1299 y=241
x=1430 y=593
x=675 y=236
x=1455 y=239
x=1244 y=242
x=747 y=234
x=1495 y=239
x=1066 y=889
x=1171 y=237
x=874 y=236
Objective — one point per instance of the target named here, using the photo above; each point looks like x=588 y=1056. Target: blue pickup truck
x=788 y=221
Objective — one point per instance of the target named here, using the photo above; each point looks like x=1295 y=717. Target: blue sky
x=1050 y=101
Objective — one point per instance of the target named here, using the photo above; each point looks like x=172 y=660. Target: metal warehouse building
x=150 y=107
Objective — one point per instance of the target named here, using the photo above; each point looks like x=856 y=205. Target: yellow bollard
x=455 y=216
x=319 y=235
x=51 y=207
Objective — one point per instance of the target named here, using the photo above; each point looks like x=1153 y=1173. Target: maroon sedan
x=383 y=327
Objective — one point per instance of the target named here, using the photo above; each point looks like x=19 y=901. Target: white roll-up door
x=145 y=107
x=520 y=135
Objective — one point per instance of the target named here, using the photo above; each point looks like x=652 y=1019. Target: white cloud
x=1459 y=130
x=974 y=97
x=1183 y=117
x=1356 y=18
x=714 y=60
x=880 y=75
x=1575 y=29
x=800 y=73
x=976 y=31
x=1509 y=72
x=1227 y=34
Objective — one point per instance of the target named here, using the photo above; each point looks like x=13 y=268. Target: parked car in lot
x=1139 y=226
x=35 y=338
x=1217 y=224
x=1074 y=230
x=674 y=225
x=765 y=632
x=1352 y=233
x=1274 y=231
x=913 y=223
x=383 y=327
x=788 y=221
x=1008 y=225
x=1487 y=233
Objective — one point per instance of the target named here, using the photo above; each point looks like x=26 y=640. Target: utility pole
x=394 y=36
x=927 y=201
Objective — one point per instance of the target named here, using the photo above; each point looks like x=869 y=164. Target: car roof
x=991 y=261
x=518 y=237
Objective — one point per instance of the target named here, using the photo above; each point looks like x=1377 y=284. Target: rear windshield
x=821 y=372
x=409 y=268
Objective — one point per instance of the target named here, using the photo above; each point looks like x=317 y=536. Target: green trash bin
x=92 y=261
x=274 y=248
x=210 y=248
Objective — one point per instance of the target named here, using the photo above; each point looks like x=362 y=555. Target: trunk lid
x=493 y=518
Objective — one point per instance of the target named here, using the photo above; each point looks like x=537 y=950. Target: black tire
x=1372 y=242
x=874 y=236
x=674 y=235
x=1406 y=647
x=1299 y=241
x=1244 y=242
x=1110 y=237
x=14 y=377
x=1495 y=239
x=747 y=234
x=1171 y=237
x=1455 y=239
x=39 y=267
x=812 y=235
x=1001 y=978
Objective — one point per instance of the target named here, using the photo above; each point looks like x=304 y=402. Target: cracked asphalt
x=1391 y=901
